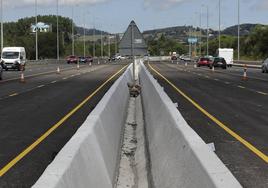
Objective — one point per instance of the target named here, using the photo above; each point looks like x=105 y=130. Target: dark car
x=72 y=59
x=89 y=59
x=82 y=59
x=174 y=58
x=203 y=61
x=218 y=62
x=264 y=66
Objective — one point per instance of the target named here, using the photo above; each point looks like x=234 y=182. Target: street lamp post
x=219 y=23
x=58 y=50
x=200 y=33
x=115 y=44
x=101 y=44
x=2 y=27
x=207 y=29
x=84 y=35
x=94 y=40
x=36 y=33
x=72 y=30
x=109 y=46
x=238 y=32
x=132 y=51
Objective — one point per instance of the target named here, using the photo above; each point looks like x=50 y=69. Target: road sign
x=192 y=40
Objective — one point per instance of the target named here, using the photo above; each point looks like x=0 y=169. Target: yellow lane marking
x=259 y=153
x=13 y=94
x=14 y=161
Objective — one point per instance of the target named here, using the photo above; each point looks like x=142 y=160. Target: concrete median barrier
x=90 y=158
x=178 y=156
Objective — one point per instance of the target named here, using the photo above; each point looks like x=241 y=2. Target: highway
x=38 y=117
x=225 y=110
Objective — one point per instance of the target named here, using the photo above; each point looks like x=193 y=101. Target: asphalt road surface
x=44 y=102
x=225 y=110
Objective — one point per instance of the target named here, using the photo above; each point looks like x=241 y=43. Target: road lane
x=46 y=79
x=26 y=117
x=259 y=86
x=243 y=111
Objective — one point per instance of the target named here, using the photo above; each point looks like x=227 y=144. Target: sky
x=115 y=15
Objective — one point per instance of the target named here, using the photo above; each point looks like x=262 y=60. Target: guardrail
x=90 y=158
x=179 y=157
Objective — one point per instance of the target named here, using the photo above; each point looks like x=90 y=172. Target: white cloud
x=163 y=4
x=52 y=2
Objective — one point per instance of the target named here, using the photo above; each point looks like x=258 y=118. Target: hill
x=180 y=33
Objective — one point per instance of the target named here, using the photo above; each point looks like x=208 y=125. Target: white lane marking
x=262 y=93
x=227 y=82
x=40 y=86
x=65 y=78
x=207 y=76
x=216 y=79
x=53 y=82
x=242 y=87
x=14 y=94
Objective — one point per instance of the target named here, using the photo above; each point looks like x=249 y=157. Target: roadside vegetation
x=19 y=34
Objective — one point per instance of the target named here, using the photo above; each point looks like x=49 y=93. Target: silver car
x=264 y=67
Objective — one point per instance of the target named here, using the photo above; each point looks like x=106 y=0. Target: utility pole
x=2 y=27
x=36 y=33
x=238 y=32
x=219 y=23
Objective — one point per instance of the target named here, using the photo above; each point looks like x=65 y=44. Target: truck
x=227 y=54
x=13 y=58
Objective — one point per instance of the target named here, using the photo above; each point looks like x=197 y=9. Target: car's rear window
x=204 y=59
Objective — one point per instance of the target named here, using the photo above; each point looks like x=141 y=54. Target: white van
x=227 y=54
x=13 y=58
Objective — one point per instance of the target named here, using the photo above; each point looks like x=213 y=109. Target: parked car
x=264 y=66
x=185 y=58
x=218 y=62
x=1 y=72
x=204 y=61
x=82 y=59
x=72 y=59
